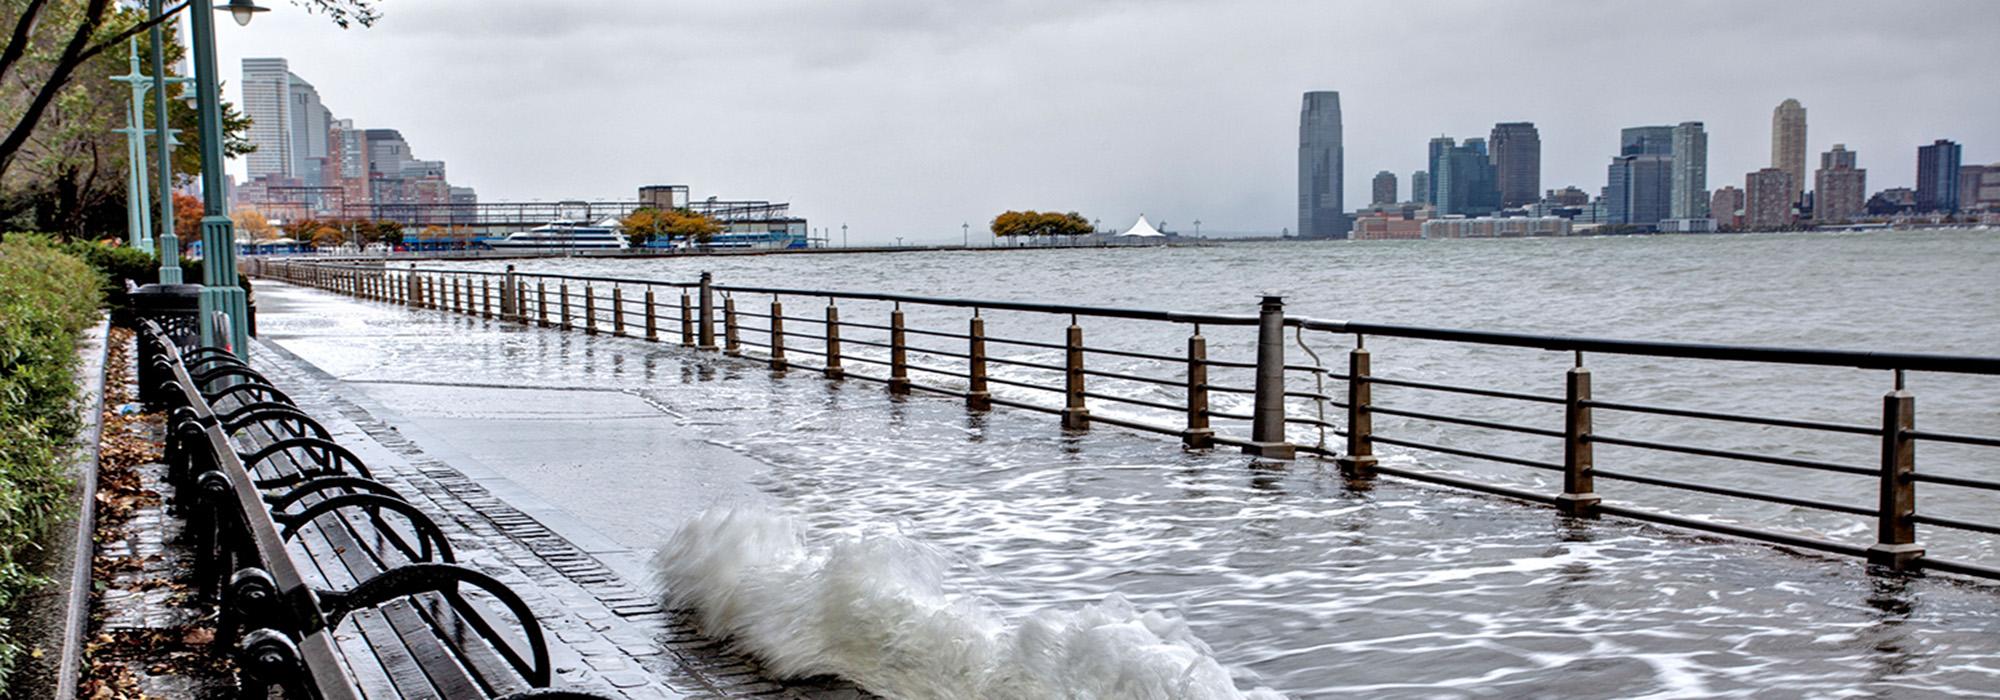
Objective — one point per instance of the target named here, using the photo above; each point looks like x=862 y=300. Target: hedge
x=47 y=298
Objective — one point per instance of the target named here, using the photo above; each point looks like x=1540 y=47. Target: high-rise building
x=1465 y=181
x=1639 y=189
x=1517 y=162
x=1840 y=190
x=1420 y=187
x=1979 y=187
x=1438 y=147
x=1385 y=187
x=1726 y=207
x=1788 y=143
x=1767 y=199
x=1321 y=214
x=1937 y=177
x=1646 y=140
x=267 y=91
x=1568 y=196
x=309 y=123
x=1690 y=174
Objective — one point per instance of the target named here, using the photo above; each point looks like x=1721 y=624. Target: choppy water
x=1319 y=590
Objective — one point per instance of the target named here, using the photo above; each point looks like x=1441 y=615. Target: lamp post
x=221 y=293
x=843 y=235
x=170 y=244
x=1197 y=228
x=965 y=231
x=138 y=218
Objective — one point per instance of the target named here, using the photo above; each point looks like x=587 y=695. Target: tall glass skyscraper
x=1321 y=212
x=1788 y=143
x=1937 y=176
x=1690 y=177
x=1517 y=162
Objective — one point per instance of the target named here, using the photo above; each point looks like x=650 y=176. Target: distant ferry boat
x=756 y=240
x=563 y=235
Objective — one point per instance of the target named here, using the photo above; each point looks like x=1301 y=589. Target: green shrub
x=47 y=297
x=117 y=264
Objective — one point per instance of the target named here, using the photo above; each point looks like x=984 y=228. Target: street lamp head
x=243 y=10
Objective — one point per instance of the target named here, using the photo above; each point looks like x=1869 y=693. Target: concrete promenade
x=518 y=467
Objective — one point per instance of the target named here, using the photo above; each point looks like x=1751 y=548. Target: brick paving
x=605 y=633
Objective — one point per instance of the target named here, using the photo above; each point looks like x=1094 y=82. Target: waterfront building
x=1788 y=142
x=267 y=94
x=1569 y=196
x=1438 y=148
x=1767 y=199
x=1384 y=188
x=1979 y=187
x=1517 y=162
x=1703 y=225
x=1937 y=177
x=1646 y=140
x=1840 y=190
x=1420 y=187
x=1690 y=172
x=1894 y=201
x=1390 y=226
x=1639 y=189
x=1321 y=213
x=1494 y=227
x=1726 y=207
x=1464 y=181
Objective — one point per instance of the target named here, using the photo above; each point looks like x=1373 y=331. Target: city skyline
x=1212 y=138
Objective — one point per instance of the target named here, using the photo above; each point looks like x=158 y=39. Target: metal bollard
x=833 y=368
x=1075 y=415
x=707 y=323
x=777 y=336
x=1267 y=429
x=899 y=354
x=977 y=397
x=510 y=309
x=1579 y=496
x=1896 y=545
x=1359 y=462
x=1197 y=435
x=652 y=320
x=729 y=344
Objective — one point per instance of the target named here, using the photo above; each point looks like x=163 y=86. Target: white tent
x=1142 y=230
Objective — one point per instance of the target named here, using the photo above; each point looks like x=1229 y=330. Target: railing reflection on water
x=1194 y=398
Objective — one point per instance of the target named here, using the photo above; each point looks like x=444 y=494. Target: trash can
x=177 y=308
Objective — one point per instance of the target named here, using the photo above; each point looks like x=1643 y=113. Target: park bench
x=329 y=583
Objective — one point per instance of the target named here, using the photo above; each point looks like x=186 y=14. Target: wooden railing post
x=589 y=309
x=509 y=306
x=1267 y=427
x=1896 y=545
x=562 y=295
x=1359 y=462
x=899 y=354
x=687 y=320
x=777 y=335
x=729 y=345
x=652 y=317
x=1579 y=496
x=977 y=397
x=833 y=368
x=1075 y=415
x=617 y=311
x=706 y=326
x=1197 y=435
x=413 y=294
x=485 y=298
x=542 y=303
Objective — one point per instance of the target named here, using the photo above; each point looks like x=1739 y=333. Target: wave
x=878 y=610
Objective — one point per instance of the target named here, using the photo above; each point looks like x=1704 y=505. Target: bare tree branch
x=17 y=45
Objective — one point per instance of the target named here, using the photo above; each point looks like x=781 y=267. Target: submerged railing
x=1194 y=399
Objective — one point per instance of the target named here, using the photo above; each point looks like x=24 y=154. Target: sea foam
x=878 y=610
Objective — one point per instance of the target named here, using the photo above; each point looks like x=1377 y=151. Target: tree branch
x=66 y=65
x=17 y=45
x=120 y=38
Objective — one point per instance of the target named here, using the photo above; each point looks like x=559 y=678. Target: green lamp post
x=225 y=312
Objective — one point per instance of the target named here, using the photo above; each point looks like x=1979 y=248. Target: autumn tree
x=1035 y=223
x=647 y=223
x=643 y=225
x=252 y=224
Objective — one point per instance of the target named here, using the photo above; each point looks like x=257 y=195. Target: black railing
x=1257 y=401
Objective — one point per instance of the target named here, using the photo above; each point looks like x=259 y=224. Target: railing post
x=617 y=311
x=687 y=320
x=485 y=298
x=589 y=309
x=1359 y=462
x=729 y=344
x=977 y=397
x=777 y=335
x=1198 y=435
x=1896 y=545
x=1267 y=429
x=1579 y=496
x=652 y=318
x=414 y=290
x=706 y=326
x=833 y=368
x=562 y=295
x=542 y=302
x=521 y=303
x=508 y=298
x=1075 y=415
x=899 y=354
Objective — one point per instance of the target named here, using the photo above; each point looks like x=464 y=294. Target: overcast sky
x=908 y=117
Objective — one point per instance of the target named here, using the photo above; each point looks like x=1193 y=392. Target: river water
x=1314 y=589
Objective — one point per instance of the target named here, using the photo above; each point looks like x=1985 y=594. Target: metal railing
x=1256 y=402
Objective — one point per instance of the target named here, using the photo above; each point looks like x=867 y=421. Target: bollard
x=1896 y=545
x=777 y=336
x=509 y=308
x=1197 y=435
x=977 y=397
x=1579 y=496
x=899 y=354
x=652 y=320
x=706 y=328
x=687 y=321
x=833 y=368
x=589 y=310
x=1359 y=462
x=617 y=311
x=729 y=345
x=542 y=302
x=1267 y=429
x=1075 y=415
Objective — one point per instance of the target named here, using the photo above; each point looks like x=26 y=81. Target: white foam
x=877 y=610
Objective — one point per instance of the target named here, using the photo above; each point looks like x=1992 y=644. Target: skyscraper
x=1464 y=180
x=267 y=91
x=1727 y=206
x=1646 y=140
x=1438 y=147
x=1767 y=199
x=1690 y=173
x=1321 y=214
x=1420 y=187
x=1385 y=188
x=1937 y=177
x=1788 y=142
x=1517 y=162
x=309 y=122
x=1639 y=189
x=1840 y=190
